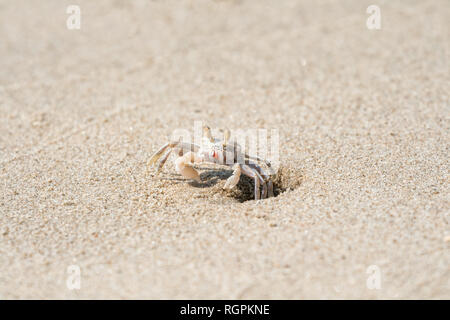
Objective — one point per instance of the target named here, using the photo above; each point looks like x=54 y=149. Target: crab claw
x=183 y=167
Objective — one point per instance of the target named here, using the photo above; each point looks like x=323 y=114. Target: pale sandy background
x=364 y=125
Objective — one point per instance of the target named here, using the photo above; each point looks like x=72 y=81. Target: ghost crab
x=221 y=152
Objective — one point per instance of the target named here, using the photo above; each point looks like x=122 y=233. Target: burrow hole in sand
x=285 y=179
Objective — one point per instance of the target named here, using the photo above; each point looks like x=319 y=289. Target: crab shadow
x=243 y=191
x=285 y=179
x=209 y=177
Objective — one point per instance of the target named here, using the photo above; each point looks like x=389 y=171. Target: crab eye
x=214 y=154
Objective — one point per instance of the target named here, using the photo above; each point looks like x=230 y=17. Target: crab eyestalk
x=226 y=136
x=207 y=133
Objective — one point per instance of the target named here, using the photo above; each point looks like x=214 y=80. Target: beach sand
x=363 y=122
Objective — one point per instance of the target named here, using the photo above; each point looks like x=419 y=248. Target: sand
x=363 y=119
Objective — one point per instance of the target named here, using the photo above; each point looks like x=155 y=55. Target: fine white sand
x=363 y=117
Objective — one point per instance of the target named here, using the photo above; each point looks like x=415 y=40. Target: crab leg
x=263 y=183
x=270 y=185
x=263 y=177
x=259 y=170
x=182 y=146
x=252 y=173
x=155 y=157
x=163 y=160
x=267 y=163
x=234 y=179
x=269 y=191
